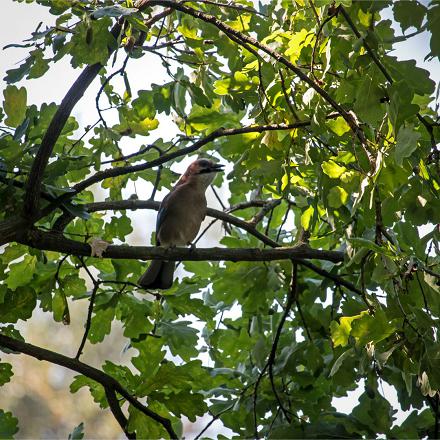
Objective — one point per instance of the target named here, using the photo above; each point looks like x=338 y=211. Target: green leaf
x=368 y=244
x=96 y=390
x=373 y=328
x=14 y=105
x=433 y=26
x=8 y=425
x=409 y=14
x=406 y=143
x=18 y=304
x=21 y=273
x=306 y=217
x=184 y=403
x=375 y=413
x=416 y=78
x=337 y=197
x=91 y=42
x=338 y=363
x=368 y=105
x=113 y=11
x=60 y=307
x=77 y=433
x=5 y=373
x=401 y=107
x=181 y=338
x=101 y=324
x=144 y=426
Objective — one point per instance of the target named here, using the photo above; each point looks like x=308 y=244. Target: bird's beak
x=217 y=167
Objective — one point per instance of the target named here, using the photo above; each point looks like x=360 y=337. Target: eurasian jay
x=179 y=218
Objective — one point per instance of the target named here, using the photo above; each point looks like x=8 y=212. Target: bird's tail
x=159 y=275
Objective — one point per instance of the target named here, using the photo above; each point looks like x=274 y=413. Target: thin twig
x=106 y=81
x=88 y=321
x=214 y=418
x=229 y=6
x=113 y=403
x=291 y=298
x=219 y=199
x=298 y=306
x=286 y=96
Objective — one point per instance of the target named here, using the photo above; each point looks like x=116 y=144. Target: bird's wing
x=161 y=216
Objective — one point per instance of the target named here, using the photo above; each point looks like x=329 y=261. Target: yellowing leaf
x=332 y=169
x=221 y=87
x=15 y=105
x=338 y=125
x=372 y=328
x=293 y=180
x=306 y=217
x=241 y=24
x=240 y=77
x=340 y=332
x=188 y=33
x=146 y=125
x=297 y=41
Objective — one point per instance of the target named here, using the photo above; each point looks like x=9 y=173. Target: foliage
x=341 y=155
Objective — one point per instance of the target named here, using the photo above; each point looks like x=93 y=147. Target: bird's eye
x=203 y=163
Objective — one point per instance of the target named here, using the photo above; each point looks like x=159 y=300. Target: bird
x=180 y=215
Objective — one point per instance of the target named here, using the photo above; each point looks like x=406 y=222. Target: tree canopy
x=327 y=278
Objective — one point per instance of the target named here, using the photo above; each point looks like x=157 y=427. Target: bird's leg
x=169 y=247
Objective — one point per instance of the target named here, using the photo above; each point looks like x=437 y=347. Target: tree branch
x=225 y=217
x=113 y=403
x=366 y=45
x=88 y=320
x=75 y=93
x=119 y=171
x=291 y=298
x=99 y=376
x=51 y=241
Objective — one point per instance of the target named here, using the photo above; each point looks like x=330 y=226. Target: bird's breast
x=184 y=215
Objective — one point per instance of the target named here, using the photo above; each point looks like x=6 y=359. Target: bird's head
x=201 y=171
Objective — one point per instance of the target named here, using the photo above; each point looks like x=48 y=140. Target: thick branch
x=33 y=185
x=223 y=216
x=214 y=213
x=9 y=228
x=99 y=376
x=56 y=242
x=32 y=197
